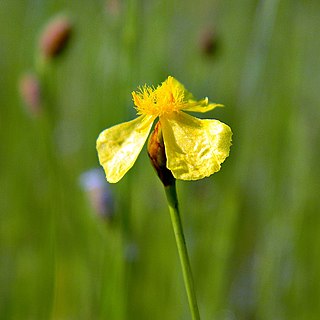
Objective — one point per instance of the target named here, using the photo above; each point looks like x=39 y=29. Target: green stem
x=172 y=199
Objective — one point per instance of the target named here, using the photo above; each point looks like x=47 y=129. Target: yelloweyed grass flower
x=194 y=148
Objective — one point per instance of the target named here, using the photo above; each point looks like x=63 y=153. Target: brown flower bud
x=157 y=155
x=113 y=8
x=30 y=93
x=55 y=37
x=209 y=42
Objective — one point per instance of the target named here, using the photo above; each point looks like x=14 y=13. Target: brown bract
x=157 y=155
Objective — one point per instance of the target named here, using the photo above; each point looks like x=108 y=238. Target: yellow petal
x=178 y=87
x=200 y=106
x=193 y=105
x=119 y=146
x=194 y=148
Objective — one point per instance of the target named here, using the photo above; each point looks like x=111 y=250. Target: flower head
x=194 y=148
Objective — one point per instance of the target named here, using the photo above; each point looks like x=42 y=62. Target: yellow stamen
x=166 y=98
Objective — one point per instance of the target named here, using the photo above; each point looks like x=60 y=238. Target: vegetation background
x=253 y=229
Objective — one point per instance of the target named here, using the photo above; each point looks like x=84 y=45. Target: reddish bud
x=113 y=7
x=30 y=93
x=209 y=42
x=55 y=37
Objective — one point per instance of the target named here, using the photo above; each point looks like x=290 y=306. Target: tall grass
x=252 y=229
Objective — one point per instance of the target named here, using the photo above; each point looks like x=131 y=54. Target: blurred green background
x=253 y=229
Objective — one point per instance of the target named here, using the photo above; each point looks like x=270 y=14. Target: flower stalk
x=172 y=199
x=157 y=155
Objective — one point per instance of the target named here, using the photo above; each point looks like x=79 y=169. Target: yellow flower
x=194 y=148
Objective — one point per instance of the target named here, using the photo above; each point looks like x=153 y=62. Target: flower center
x=166 y=98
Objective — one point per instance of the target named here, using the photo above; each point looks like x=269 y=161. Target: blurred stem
x=262 y=30
x=172 y=199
